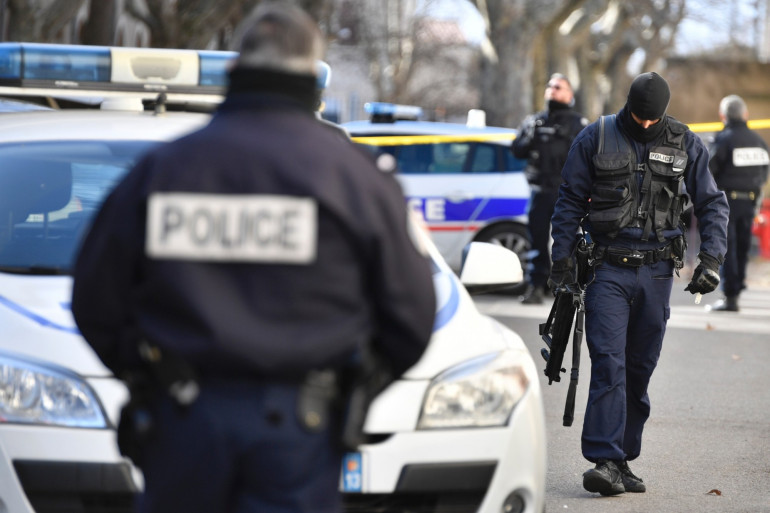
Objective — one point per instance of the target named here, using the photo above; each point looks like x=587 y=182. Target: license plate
x=352 y=472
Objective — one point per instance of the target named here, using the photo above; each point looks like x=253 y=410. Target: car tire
x=514 y=237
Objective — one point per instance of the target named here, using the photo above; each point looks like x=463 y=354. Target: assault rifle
x=568 y=309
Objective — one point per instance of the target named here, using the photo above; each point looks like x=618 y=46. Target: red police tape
x=761 y=229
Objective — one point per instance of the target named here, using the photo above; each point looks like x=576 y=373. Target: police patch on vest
x=680 y=162
x=660 y=157
x=743 y=157
x=232 y=228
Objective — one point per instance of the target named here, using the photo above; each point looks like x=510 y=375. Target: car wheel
x=514 y=237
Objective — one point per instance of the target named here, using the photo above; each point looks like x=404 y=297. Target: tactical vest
x=619 y=200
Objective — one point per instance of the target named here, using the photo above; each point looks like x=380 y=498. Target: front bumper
x=54 y=469
x=474 y=470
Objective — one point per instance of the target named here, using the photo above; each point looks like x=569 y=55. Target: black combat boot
x=728 y=304
x=631 y=482
x=605 y=479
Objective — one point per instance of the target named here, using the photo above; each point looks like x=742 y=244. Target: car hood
x=36 y=322
x=460 y=331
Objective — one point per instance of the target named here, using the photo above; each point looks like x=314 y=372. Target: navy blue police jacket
x=739 y=159
x=709 y=203
x=544 y=140
x=238 y=183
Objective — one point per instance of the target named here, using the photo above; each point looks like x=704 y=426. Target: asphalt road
x=706 y=447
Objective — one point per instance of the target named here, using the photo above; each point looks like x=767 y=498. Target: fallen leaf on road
x=714 y=492
x=709 y=327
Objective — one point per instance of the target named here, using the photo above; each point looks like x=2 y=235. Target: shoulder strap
x=602 y=129
x=675 y=133
x=610 y=137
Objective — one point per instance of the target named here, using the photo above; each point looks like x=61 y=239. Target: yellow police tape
x=401 y=140
x=754 y=124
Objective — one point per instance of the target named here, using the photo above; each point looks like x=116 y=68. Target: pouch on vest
x=663 y=190
x=612 y=198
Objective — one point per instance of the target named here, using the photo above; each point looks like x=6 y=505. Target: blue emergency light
x=214 y=66
x=324 y=75
x=120 y=68
x=389 y=112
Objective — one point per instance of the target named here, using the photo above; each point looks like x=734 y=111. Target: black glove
x=705 y=279
x=561 y=275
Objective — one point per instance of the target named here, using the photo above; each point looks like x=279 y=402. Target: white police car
x=463 y=429
x=461 y=177
x=464 y=426
x=58 y=404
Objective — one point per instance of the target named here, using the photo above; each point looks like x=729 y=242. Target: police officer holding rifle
x=626 y=181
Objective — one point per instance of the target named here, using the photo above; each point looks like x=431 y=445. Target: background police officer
x=634 y=168
x=544 y=140
x=739 y=162
x=258 y=253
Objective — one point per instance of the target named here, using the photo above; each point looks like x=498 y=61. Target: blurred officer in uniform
x=247 y=260
x=635 y=167
x=544 y=140
x=739 y=162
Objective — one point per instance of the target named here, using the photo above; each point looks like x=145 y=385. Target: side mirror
x=488 y=267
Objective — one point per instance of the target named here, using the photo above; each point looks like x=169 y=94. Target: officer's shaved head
x=279 y=36
x=733 y=108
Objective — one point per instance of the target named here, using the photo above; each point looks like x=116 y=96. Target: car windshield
x=49 y=193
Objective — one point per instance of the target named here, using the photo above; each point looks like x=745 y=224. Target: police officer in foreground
x=739 y=162
x=635 y=167
x=544 y=140
x=248 y=261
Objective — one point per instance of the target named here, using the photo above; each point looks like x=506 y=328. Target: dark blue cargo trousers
x=626 y=313
x=239 y=449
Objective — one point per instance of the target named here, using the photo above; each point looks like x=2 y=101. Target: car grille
x=72 y=487
x=413 y=503
x=445 y=487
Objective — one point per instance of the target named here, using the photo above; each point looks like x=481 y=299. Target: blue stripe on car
x=489 y=208
x=449 y=308
x=35 y=317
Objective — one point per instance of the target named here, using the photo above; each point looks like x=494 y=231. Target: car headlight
x=479 y=393
x=32 y=393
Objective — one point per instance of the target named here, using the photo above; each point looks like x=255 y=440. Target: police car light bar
x=79 y=67
x=389 y=112
x=73 y=67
